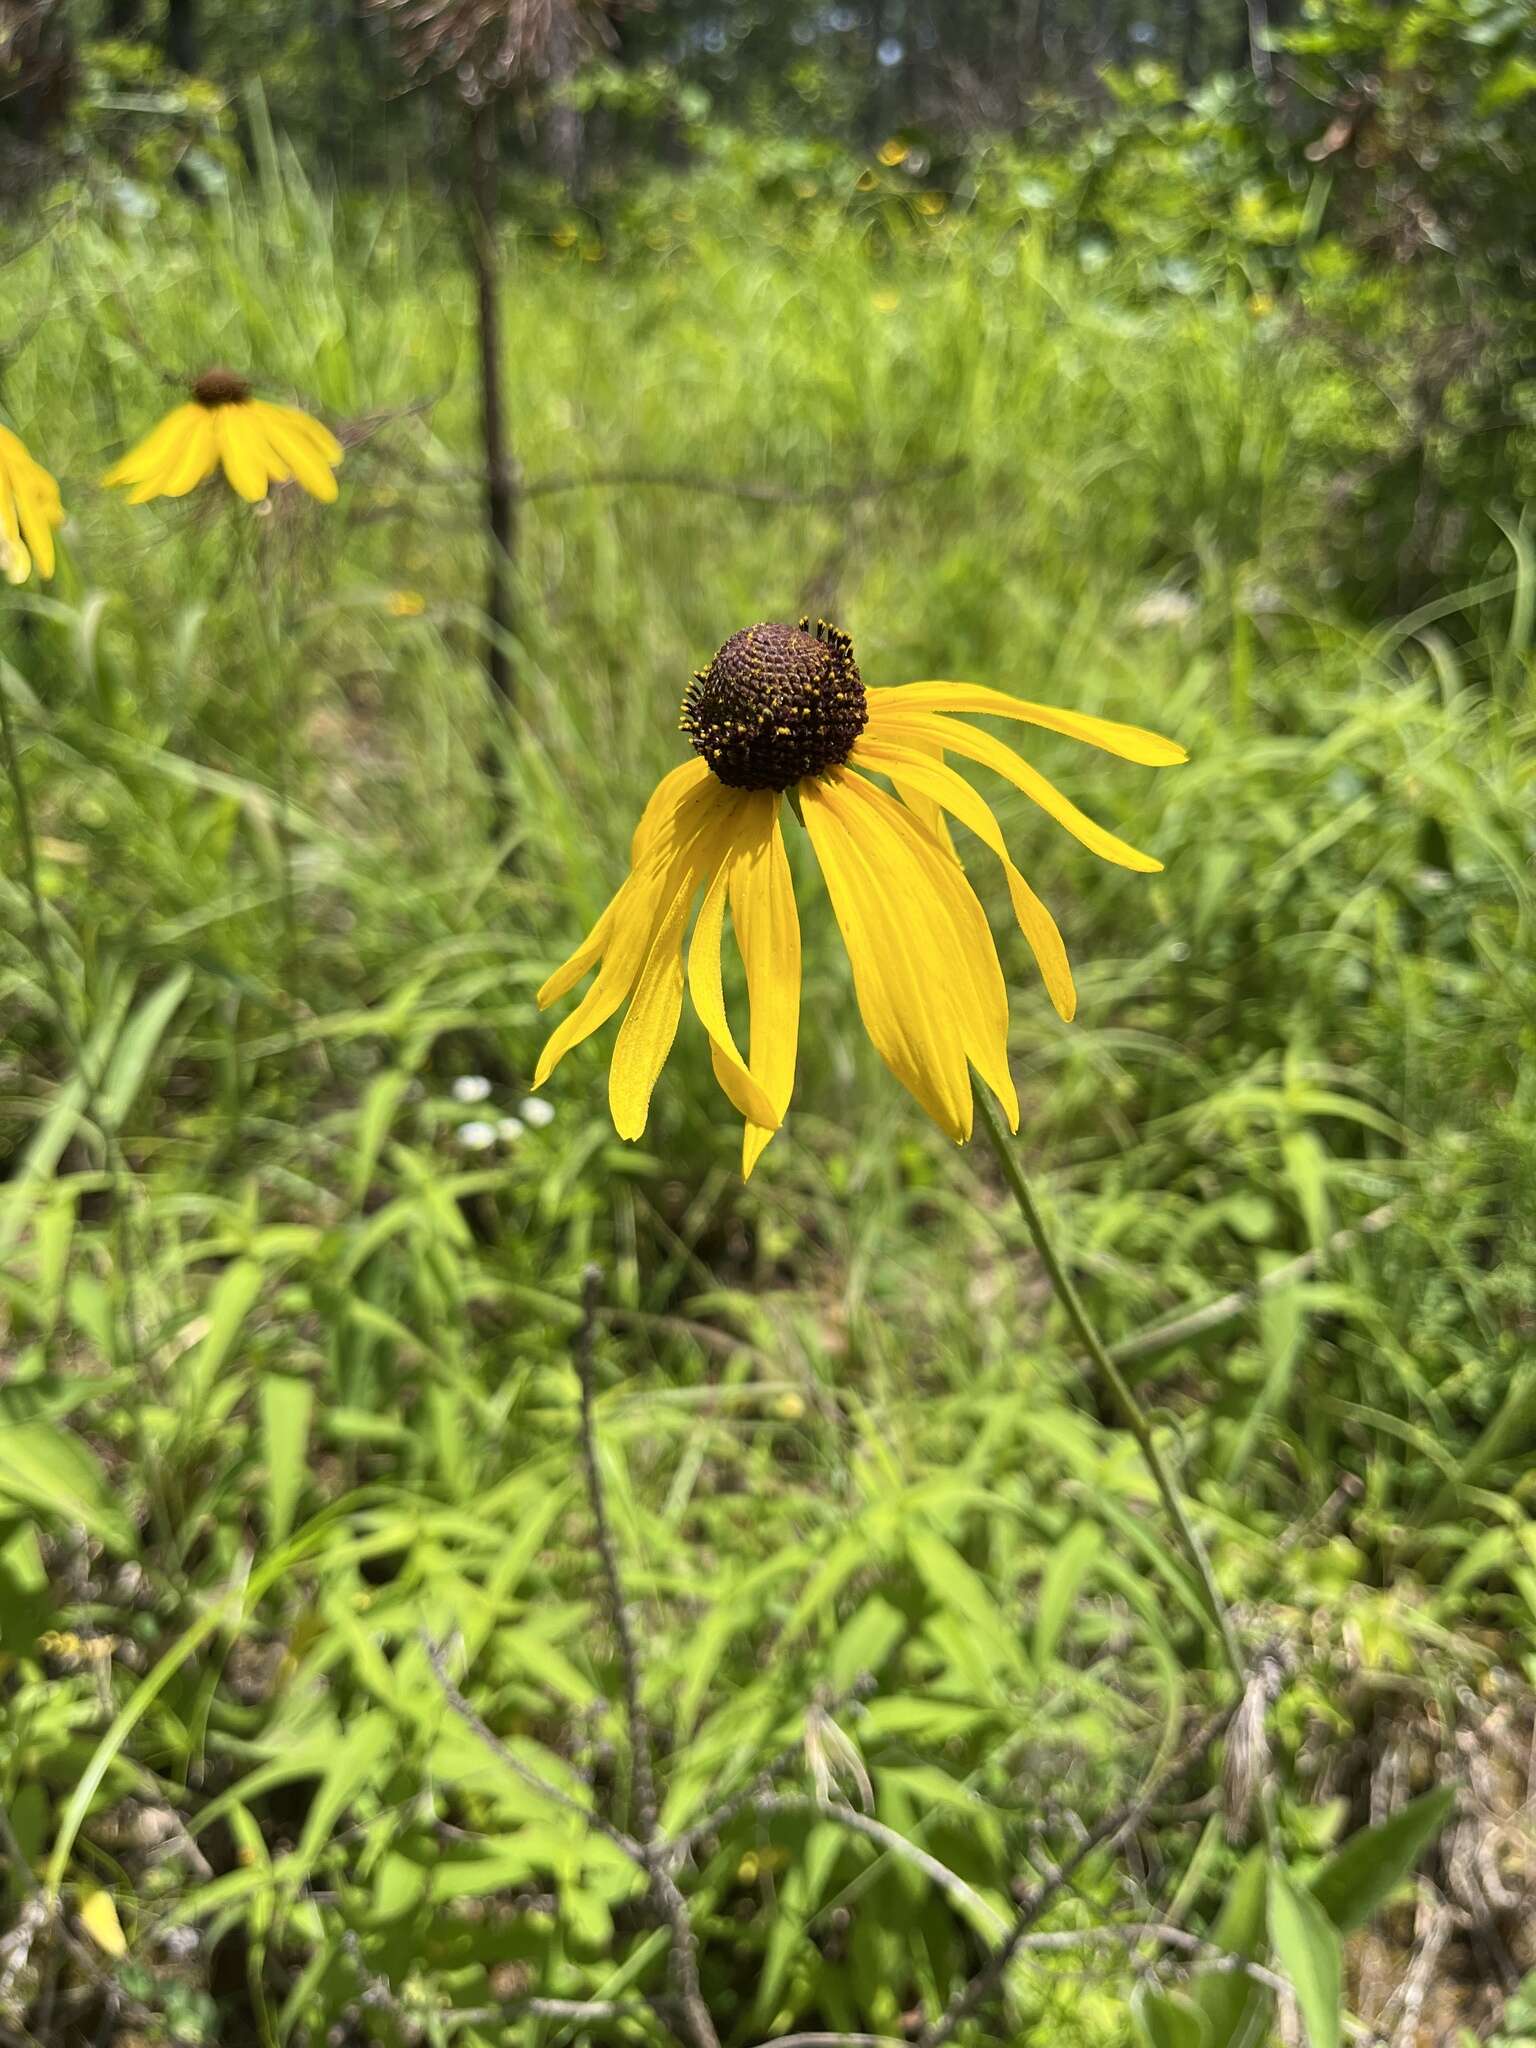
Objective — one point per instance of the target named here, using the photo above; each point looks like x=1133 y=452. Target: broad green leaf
x=1307 y=1949
x=46 y=1469
x=1166 y=2019
x=1370 y=1866
x=286 y=1405
x=1069 y=1565
x=1232 y=2003
x=234 y=1296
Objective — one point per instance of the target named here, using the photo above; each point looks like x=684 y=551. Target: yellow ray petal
x=975 y=986
x=900 y=976
x=704 y=986
x=241 y=451
x=281 y=425
x=955 y=737
x=768 y=933
x=922 y=807
x=632 y=920
x=941 y=785
x=321 y=439
x=148 y=456
x=663 y=800
x=39 y=515
x=660 y=814
x=650 y=1023
x=973 y=700
x=14 y=558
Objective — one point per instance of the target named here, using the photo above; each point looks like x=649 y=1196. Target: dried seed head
x=221 y=387
x=777 y=703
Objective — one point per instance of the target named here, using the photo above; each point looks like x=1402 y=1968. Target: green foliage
x=290 y=1395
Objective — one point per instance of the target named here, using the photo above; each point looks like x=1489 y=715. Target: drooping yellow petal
x=298 y=450
x=650 y=1023
x=704 y=986
x=955 y=737
x=973 y=700
x=663 y=801
x=320 y=438
x=241 y=451
x=768 y=933
x=902 y=973
x=939 y=784
x=958 y=929
x=37 y=524
x=629 y=925
x=15 y=560
x=660 y=814
x=148 y=456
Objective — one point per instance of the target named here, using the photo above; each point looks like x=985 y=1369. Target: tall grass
x=289 y=1388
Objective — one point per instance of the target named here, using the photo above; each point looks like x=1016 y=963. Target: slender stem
x=47 y=959
x=1130 y=1409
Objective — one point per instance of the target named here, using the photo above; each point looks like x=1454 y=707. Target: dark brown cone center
x=777 y=704
x=221 y=387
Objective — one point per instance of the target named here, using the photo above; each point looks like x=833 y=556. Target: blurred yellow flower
x=892 y=153
x=885 y=302
x=406 y=604
x=1261 y=304
x=564 y=236
x=29 y=511
x=931 y=203
x=783 y=711
x=866 y=181
x=259 y=444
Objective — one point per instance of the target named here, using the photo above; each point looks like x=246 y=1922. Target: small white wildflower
x=534 y=1113
x=509 y=1129
x=477 y=1137
x=471 y=1088
x=1166 y=607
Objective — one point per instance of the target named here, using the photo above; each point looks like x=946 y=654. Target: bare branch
x=988 y=1980
x=948 y=1881
x=514 y=1763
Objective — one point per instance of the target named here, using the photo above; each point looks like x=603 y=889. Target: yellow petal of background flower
x=241 y=451
x=320 y=438
x=148 y=456
x=939 y=784
x=902 y=972
x=955 y=737
x=705 y=987
x=650 y=1023
x=768 y=933
x=14 y=558
x=1130 y=742
x=284 y=428
x=37 y=523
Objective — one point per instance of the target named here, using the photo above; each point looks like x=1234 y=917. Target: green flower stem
x=31 y=874
x=1131 y=1412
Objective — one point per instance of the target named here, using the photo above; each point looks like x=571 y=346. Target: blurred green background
x=1169 y=361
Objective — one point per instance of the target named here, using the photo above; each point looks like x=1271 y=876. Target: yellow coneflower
x=783 y=711
x=259 y=444
x=29 y=511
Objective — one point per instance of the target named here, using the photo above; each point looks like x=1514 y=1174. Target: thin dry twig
x=985 y=1983
x=952 y=1885
x=533 y=1779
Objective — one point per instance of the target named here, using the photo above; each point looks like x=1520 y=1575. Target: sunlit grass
x=266 y=1292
